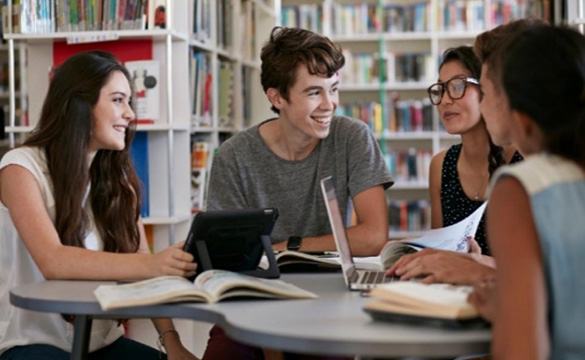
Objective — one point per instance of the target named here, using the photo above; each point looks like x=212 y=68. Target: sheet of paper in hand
x=452 y=238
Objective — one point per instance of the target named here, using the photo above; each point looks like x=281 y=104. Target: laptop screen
x=337 y=226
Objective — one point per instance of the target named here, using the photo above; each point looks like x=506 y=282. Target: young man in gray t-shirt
x=280 y=162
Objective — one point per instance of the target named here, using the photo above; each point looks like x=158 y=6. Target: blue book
x=139 y=155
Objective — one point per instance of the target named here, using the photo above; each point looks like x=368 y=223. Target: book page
x=372 y=263
x=219 y=283
x=152 y=291
x=453 y=237
x=394 y=250
x=289 y=257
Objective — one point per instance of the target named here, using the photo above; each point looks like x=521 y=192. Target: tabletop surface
x=334 y=323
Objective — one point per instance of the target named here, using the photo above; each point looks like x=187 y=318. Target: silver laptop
x=355 y=279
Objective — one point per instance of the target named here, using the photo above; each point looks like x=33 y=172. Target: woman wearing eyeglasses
x=459 y=176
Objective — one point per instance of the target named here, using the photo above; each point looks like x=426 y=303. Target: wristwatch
x=294 y=243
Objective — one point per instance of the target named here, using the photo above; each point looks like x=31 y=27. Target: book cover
x=225 y=89
x=198 y=174
x=139 y=156
x=145 y=76
x=157 y=17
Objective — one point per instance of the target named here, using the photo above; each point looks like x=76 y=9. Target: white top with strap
x=23 y=327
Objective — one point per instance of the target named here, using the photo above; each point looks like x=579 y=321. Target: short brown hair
x=290 y=47
x=490 y=45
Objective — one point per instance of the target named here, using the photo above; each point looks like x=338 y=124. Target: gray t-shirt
x=246 y=174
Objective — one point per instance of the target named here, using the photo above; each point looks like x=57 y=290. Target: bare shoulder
x=437 y=160
x=437 y=164
x=15 y=179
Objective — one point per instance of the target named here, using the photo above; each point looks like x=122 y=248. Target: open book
x=296 y=261
x=290 y=261
x=452 y=238
x=417 y=302
x=210 y=286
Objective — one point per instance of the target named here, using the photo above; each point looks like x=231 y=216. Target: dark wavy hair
x=290 y=47
x=64 y=132
x=544 y=77
x=489 y=46
x=467 y=58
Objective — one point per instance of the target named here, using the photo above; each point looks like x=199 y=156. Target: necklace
x=476 y=195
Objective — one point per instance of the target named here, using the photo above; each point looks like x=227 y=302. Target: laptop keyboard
x=374 y=277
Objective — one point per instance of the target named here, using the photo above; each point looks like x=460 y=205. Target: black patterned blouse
x=455 y=204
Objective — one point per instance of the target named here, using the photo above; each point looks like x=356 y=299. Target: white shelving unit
x=247 y=25
x=257 y=17
x=20 y=97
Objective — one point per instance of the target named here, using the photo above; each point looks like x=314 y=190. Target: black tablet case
x=233 y=240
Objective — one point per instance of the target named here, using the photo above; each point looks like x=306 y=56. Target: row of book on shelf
x=201 y=80
x=409 y=166
x=306 y=16
x=409 y=216
x=415 y=16
x=42 y=16
x=401 y=116
x=371 y=68
x=226 y=34
x=369 y=18
x=470 y=15
x=200 y=159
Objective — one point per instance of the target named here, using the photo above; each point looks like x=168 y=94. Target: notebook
x=355 y=279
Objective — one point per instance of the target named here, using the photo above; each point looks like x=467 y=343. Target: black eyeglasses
x=455 y=89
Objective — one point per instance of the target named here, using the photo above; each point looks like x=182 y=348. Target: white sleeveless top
x=22 y=327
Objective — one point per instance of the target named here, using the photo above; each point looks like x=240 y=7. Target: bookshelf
x=226 y=93
x=20 y=98
x=392 y=50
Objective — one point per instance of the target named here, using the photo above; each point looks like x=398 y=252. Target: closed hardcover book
x=139 y=156
x=145 y=76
